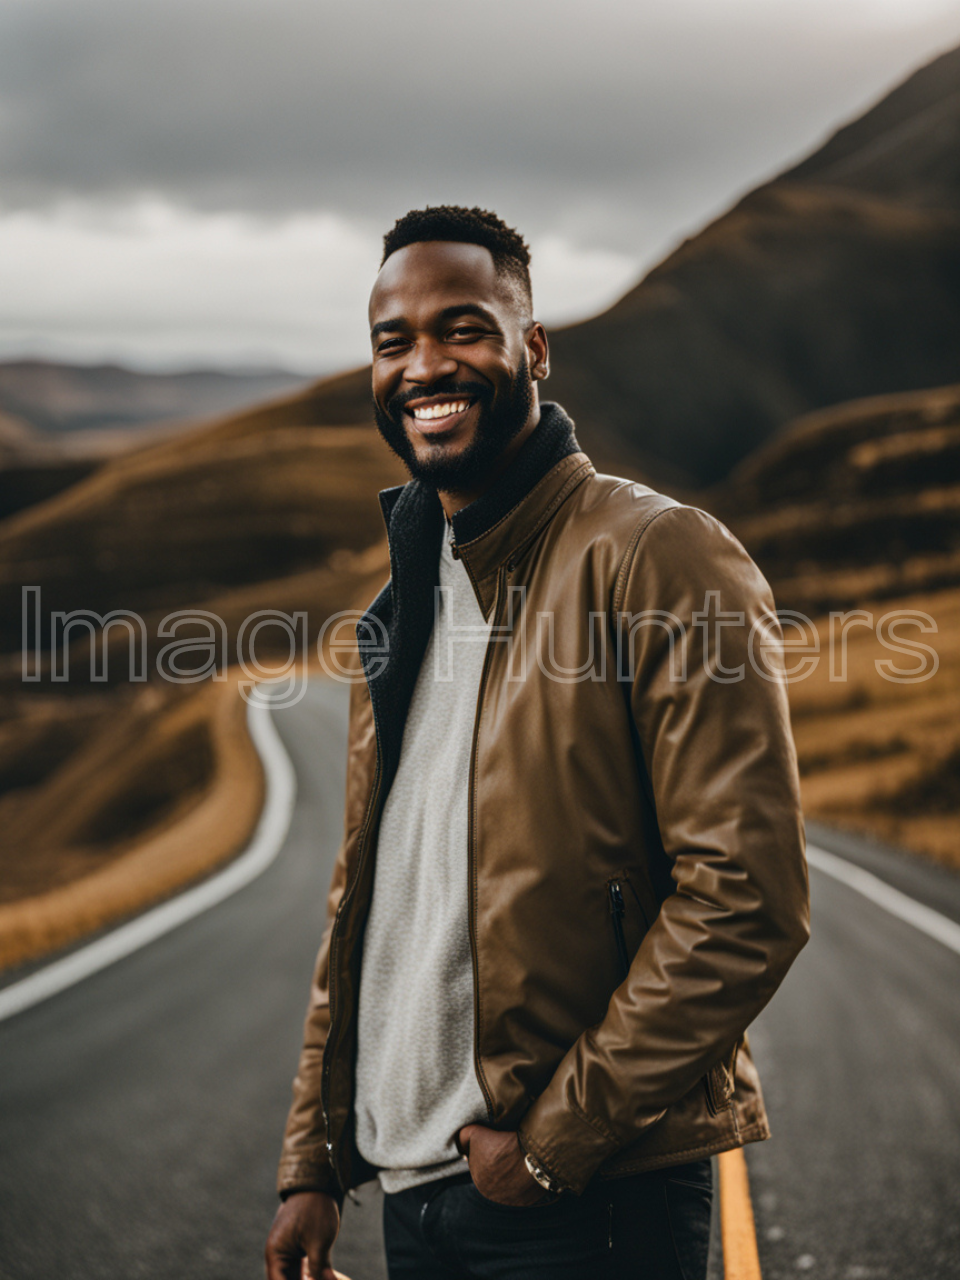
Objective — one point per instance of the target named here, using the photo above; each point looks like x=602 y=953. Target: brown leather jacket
x=637 y=876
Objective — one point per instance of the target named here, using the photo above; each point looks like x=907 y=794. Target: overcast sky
x=192 y=182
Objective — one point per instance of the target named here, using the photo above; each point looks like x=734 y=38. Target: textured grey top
x=416 y=1083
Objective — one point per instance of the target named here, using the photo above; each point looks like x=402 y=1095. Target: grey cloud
x=567 y=114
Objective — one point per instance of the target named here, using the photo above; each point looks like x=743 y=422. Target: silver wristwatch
x=545 y=1180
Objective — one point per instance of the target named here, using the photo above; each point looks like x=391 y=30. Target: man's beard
x=498 y=423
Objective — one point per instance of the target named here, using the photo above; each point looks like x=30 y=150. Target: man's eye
x=392 y=344
x=465 y=331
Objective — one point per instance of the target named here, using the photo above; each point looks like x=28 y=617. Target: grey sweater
x=416 y=1083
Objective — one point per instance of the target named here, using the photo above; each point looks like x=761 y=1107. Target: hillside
x=857 y=502
x=188 y=520
x=857 y=507
x=906 y=149
x=881 y=757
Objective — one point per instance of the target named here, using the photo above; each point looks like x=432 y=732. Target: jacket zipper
x=333 y=1038
x=617 y=910
x=471 y=848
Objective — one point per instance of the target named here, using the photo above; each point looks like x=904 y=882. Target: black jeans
x=652 y=1226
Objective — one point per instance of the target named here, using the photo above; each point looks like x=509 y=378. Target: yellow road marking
x=741 y=1261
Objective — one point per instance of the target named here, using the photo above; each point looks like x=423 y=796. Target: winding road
x=141 y=1109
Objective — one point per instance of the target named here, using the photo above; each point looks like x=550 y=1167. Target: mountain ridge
x=905 y=112
x=57 y=397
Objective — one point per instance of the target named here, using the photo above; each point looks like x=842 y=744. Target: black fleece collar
x=394 y=631
x=552 y=441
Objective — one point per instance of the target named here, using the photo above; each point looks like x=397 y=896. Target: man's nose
x=428 y=363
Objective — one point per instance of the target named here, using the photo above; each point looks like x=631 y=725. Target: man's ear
x=539 y=349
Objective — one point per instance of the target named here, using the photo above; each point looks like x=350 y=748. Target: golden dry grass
x=138 y=797
x=53 y=903
x=880 y=757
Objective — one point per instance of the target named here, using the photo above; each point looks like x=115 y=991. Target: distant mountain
x=59 y=422
x=839 y=279
x=63 y=397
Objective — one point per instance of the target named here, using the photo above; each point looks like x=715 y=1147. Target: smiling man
x=573 y=866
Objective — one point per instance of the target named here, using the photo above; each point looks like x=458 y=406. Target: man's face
x=454 y=361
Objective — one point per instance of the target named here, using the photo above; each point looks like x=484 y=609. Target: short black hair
x=509 y=250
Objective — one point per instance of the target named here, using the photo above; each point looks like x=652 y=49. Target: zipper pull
x=617 y=904
x=617 y=910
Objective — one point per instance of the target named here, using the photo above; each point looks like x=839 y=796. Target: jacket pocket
x=628 y=918
x=718 y=1083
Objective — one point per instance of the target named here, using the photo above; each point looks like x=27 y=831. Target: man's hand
x=305 y=1227
x=497 y=1167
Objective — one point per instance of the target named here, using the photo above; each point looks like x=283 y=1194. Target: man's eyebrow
x=448 y=313
x=468 y=309
x=388 y=326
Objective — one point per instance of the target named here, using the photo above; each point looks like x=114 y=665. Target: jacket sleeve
x=718 y=755
x=304 y=1161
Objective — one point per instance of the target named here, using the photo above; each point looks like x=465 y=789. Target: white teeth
x=439 y=410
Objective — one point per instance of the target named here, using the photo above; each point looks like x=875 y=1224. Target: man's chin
x=439 y=456
x=450 y=465
x=444 y=475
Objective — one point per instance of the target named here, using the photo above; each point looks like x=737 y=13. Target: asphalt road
x=140 y=1111
x=860 y=1057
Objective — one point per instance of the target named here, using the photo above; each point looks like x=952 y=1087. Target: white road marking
x=280 y=795
x=898 y=904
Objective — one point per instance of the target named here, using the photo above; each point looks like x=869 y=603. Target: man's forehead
x=436 y=271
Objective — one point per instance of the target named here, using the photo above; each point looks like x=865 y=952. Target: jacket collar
x=501 y=541
x=490 y=530
x=394 y=631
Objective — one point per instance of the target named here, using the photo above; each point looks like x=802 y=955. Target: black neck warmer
x=394 y=631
